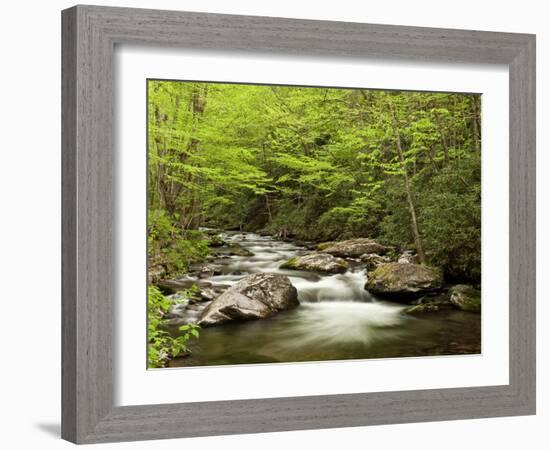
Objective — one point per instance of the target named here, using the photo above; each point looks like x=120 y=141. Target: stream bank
x=336 y=317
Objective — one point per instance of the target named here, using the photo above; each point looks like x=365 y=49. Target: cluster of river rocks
x=399 y=278
x=390 y=275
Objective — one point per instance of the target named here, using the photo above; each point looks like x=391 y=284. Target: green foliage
x=315 y=163
x=176 y=248
x=451 y=220
x=162 y=346
x=184 y=252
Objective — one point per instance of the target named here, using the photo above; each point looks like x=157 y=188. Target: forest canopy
x=315 y=164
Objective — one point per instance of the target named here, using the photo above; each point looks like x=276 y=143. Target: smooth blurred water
x=336 y=319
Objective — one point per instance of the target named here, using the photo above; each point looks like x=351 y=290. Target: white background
x=134 y=385
x=30 y=225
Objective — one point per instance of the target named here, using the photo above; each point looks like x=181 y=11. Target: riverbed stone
x=408 y=257
x=232 y=249
x=207 y=294
x=323 y=245
x=466 y=298
x=425 y=307
x=372 y=260
x=183 y=284
x=404 y=282
x=216 y=241
x=256 y=296
x=353 y=248
x=208 y=271
x=317 y=262
x=430 y=303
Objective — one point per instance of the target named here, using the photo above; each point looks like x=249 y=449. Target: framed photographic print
x=278 y=224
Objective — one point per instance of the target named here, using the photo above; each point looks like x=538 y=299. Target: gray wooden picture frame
x=90 y=34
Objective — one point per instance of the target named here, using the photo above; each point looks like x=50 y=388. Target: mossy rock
x=216 y=241
x=372 y=260
x=237 y=250
x=404 y=282
x=352 y=248
x=466 y=298
x=317 y=262
x=232 y=250
x=430 y=304
x=423 y=308
x=324 y=245
x=290 y=264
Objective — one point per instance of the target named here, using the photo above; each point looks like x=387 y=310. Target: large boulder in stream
x=256 y=296
x=466 y=298
x=353 y=248
x=404 y=282
x=372 y=260
x=216 y=240
x=408 y=257
x=317 y=262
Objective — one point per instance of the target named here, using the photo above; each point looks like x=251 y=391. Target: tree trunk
x=407 y=188
x=190 y=215
x=162 y=184
x=270 y=217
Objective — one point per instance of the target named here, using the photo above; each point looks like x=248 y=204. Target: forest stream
x=336 y=319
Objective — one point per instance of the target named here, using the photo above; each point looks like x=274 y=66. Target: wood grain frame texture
x=90 y=34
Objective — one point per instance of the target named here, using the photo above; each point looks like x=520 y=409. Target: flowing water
x=336 y=319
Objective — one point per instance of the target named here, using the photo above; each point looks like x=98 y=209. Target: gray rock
x=430 y=304
x=426 y=307
x=408 y=257
x=173 y=286
x=207 y=294
x=209 y=271
x=317 y=262
x=466 y=298
x=216 y=241
x=372 y=260
x=353 y=248
x=404 y=282
x=232 y=250
x=256 y=296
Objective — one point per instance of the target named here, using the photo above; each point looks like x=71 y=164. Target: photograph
x=293 y=224
x=264 y=225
